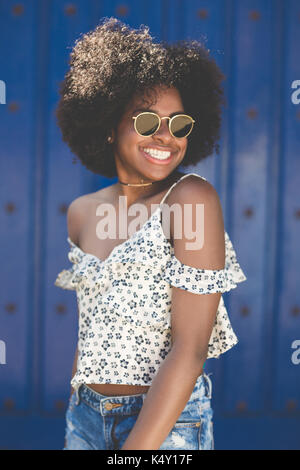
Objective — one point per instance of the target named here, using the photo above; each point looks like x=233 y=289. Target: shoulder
x=194 y=189
x=77 y=206
x=80 y=208
x=84 y=202
x=102 y=195
x=75 y=217
x=206 y=249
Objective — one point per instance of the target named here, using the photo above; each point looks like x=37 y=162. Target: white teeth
x=160 y=155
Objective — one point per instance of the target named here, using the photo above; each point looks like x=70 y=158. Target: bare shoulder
x=75 y=217
x=81 y=207
x=193 y=189
x=102 y=195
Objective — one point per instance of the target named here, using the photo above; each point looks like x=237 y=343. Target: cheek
x=127 y=138
x=184 y=146
x=183 y=150
x=127 y=134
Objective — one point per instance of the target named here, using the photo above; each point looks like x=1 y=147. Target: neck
x=134 y=193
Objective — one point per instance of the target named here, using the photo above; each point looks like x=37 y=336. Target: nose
x=163 y=132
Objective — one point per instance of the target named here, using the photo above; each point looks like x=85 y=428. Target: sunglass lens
x=147 y=124
x=181 y=126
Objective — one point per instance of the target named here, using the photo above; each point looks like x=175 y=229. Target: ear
x=113 y=135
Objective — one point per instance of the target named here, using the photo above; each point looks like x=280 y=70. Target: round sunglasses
x=147 y=123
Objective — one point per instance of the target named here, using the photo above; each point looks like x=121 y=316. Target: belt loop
x=209 y=383
x=77 y=394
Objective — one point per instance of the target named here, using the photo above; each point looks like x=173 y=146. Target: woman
x=137 y=110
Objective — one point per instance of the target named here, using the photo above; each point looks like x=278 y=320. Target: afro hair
x=113 y=63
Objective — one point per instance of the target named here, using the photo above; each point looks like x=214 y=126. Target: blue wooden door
x=256 y=386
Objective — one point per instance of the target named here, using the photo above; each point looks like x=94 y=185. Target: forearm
x=165 y=400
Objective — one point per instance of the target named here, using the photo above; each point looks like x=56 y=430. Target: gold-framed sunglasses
x=147 y=123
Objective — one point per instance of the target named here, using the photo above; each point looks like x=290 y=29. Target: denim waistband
x=130 y=404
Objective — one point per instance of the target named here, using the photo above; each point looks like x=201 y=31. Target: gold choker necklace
x=142 y=184
x=137 y=184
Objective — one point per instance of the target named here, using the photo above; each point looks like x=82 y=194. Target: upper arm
x=75 y=218
x=193 y=315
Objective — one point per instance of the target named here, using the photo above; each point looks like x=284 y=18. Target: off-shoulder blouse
x=124 y=304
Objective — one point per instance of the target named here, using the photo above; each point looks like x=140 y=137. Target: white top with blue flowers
x=125 y=302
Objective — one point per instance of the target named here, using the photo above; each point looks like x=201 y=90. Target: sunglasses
x=147 y=123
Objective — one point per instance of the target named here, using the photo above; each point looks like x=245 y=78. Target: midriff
x=117 y=389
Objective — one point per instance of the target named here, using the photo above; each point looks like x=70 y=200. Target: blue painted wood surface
x=256 y=386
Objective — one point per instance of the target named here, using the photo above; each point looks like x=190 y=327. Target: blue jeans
x=100 y=422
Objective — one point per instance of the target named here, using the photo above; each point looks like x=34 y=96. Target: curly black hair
x=114 y=63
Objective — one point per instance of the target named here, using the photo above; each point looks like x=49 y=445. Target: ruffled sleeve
x=205 y=281
x=69 y=278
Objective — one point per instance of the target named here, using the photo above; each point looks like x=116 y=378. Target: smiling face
x=132 y=163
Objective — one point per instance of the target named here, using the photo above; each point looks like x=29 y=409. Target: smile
x=157 y=154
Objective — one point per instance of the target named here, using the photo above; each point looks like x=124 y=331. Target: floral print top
x=124 y=304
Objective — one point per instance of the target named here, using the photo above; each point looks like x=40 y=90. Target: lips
x=156 y=160
x=162 y=149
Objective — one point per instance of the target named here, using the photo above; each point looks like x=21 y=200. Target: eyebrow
x=154 y=111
